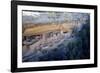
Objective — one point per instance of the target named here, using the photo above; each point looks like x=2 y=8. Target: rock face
x=40 y=29
x=73 y=46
